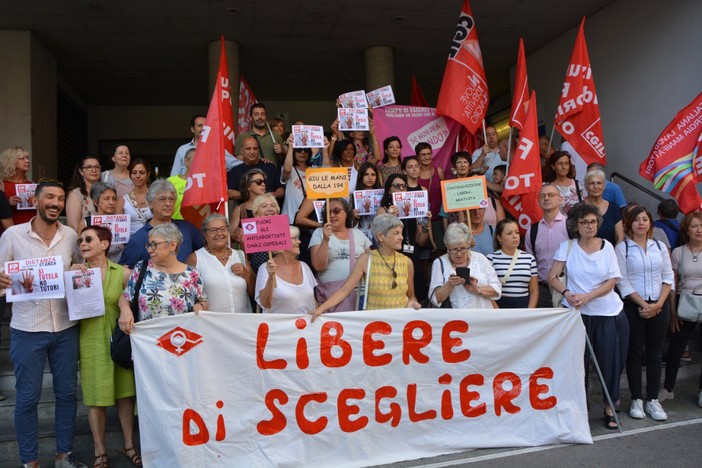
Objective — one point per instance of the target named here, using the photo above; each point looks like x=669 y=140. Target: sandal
x=100 y=461
x=135 y=457
x=610 y=423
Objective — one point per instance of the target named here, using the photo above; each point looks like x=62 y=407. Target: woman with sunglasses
x=79 y=205
x=388 y=274
x=334 y=250
x=102 y=381
x=252 y=186
x=227 y=281
x=463 y=277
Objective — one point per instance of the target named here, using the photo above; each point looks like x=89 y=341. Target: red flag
x=418 y=99
x=520 y=100
x=674 y=165
x=246 y=100
x=578 y=115
x=227 y=115
x=206 y=191
x=464 y=94
x=521 y=193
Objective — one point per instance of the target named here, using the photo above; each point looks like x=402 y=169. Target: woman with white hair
x=611 y=227
x=389 y=274
x=463 y=277
x=286 y=285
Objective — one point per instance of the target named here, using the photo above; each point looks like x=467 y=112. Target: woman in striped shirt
x=516 y=269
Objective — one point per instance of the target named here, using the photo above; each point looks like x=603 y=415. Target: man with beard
x=271 y=144
x=41 y=328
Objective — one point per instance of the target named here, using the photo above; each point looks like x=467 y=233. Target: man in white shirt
x=486 y=158
x=41 y=328
x=196 y=124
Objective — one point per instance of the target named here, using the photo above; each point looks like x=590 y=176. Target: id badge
x=408 y=248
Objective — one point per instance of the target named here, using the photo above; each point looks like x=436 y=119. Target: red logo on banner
x=179 y=341
x=464 y=95
x=578 y=115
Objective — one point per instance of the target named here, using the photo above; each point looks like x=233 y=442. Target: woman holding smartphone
x=463 y=277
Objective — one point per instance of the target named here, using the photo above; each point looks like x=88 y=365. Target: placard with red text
x=35 y=278
x=266 y=234
x=118 y=224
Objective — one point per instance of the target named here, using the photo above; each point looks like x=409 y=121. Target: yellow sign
x=327 y=182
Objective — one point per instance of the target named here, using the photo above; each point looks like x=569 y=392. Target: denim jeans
x=29 y=351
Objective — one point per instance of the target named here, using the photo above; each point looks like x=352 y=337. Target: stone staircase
x=83 y=441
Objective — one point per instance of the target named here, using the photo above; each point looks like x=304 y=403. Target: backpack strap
x=578 y=190
x=533 y=232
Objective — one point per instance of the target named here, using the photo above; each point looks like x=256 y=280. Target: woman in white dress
x=134 y=203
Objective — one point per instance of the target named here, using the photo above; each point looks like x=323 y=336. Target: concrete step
x=45 y=408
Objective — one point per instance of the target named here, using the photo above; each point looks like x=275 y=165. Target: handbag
x=120 y=344
x=689 y=303
x=557 y=297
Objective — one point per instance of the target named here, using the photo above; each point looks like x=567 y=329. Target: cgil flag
x=464 y=94
x=578 y=115
x=227 y=114
x=246 y=100
x=675 y=163
x=520 y=100
x=521 y=192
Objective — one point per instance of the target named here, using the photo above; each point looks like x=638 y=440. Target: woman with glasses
x=79 y=205
x=334 y=250
x=119 y=174
x=592 y=273
x=170 y=287
x=388 y=273
x=134 y=203
x=560 y=171
x=104 y=197
x=463 y=277
x=102 y=381
x=515 y=269
x=286 y=285
x=226 y=279
x=14 y=166
x=611 y=227
x=252 y=186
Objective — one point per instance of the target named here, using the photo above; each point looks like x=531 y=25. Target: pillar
x=380 y=67
x=231 y=49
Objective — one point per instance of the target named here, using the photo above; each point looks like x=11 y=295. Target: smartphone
x=463 y=272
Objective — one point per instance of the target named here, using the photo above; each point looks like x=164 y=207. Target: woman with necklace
x=516 y=269
x=687 y=265
x=388 y=274
x=227 y=280
x=611 y=227
x=647 y=279
x=392 y=158
x=119 y=175
x=593 y=272
x=102 y=381
x=134 y=203
x=79 y=205
x=560 y=171
x=14 y=166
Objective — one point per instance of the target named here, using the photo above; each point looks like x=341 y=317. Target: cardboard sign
x=411 y=204
x=354 y=99
x=266 y=234
x=327 y=182
x=464 y=194
x=308 y=136
x=35 y=278
x=26 y=194
x=367 y=202
x=381 y=97
x=352 y=119
x=118 y=224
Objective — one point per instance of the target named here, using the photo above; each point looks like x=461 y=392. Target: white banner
x=356 y=389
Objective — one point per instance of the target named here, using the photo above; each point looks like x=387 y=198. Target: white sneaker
x=655 y=410
x=636 y=411
x=664 y=394
x=699 y=399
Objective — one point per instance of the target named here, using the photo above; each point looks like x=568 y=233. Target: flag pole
x=484 y=132
x=509 y=148
x=550 y=140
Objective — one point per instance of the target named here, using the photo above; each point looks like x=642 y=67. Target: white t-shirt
x=294 y=194
x=289 y=298
x=338 y=266
x=586 y=272
x=225 y=291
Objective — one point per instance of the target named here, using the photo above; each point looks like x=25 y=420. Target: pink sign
x=266 y=234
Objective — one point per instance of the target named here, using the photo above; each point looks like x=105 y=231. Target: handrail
x=636 y=184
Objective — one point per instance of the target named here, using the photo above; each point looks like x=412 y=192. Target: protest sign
x=35 y=278
x=352 y=119
x=118 y=225
x=381 y=97
x=319 y=210
x=367 y=202
x=26 y=194
x=411 y=204
x=308 y=136
x=327 y=182
x=356 y=389
x=354 y=99
x=464 y=194
x=84 y=295
x=266 y=234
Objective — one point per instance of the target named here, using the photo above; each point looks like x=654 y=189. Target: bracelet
x=565 y=291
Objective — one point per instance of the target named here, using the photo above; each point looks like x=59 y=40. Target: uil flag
x=578 y=115
x=206 y=191
x=521 y=192
x=464 y=94
x=246 y=100
x=418 y=99
x=520 y=100
x=227 y=115
x=675 y=163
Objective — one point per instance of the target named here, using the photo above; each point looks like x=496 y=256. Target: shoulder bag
x=690 y=303
x=120 y=345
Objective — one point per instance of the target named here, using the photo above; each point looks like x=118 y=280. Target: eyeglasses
x=544 y=196
x=399 y=186
x=91 y=168
x=86 y=239
x=586 y=223
x=219 y=230
x=153 y=245
x=259 y=181
x=458 y=250
x=164 y=200
x=336 y=211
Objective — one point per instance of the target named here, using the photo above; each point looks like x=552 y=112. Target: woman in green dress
x=102 y=381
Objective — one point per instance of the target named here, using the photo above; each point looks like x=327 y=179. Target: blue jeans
x=28 y=351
